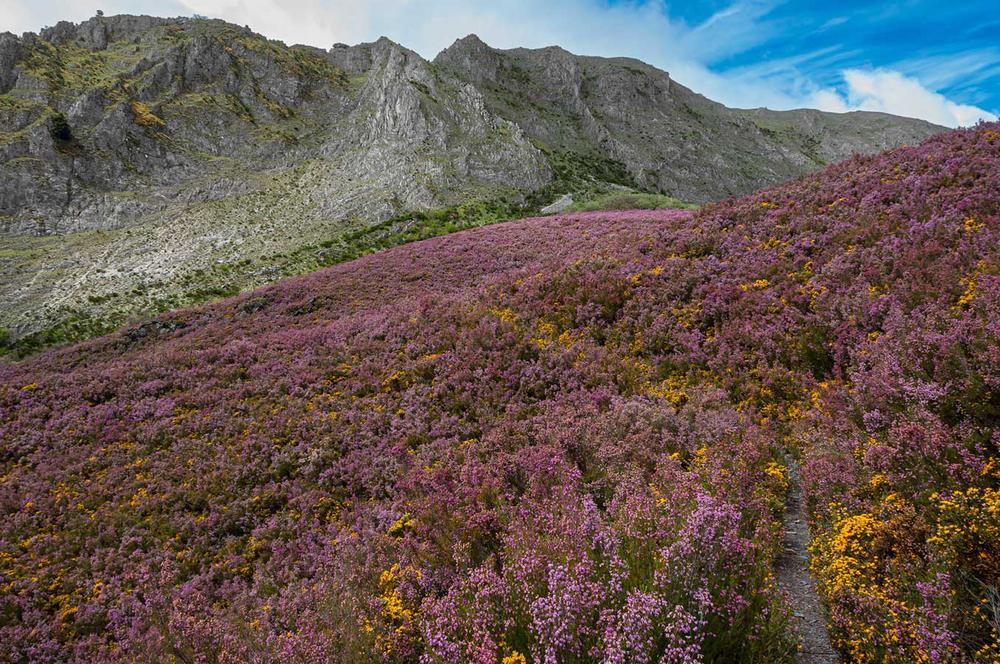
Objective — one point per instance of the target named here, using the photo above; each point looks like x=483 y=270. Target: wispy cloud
x=834 y=22
x=965 y=70
x=728 y=55
x=891 y=92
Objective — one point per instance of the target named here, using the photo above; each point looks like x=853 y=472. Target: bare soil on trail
x=792 y=571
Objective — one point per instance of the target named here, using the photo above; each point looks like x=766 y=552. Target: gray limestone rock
x=10 y=53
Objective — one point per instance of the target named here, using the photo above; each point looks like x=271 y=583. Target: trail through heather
x=792 y=570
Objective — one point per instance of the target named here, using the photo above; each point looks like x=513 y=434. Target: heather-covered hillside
x=555 y=440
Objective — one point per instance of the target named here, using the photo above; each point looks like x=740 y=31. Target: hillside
x=562 y=438
x=149 y=163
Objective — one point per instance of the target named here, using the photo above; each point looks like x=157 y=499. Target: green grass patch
x=76 y=326
x=629 y=200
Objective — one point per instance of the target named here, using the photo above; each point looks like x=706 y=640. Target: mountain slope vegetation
x=556 y=439
x=148 y=164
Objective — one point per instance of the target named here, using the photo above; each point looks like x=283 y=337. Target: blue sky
x=934 y=59
x=950 y=47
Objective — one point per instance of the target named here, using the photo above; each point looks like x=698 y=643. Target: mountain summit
x=149 y=163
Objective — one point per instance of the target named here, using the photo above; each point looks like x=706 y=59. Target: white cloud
x=314 y=22
x=20 y=16
x=891 y=92
x=643 y=29
x=15 y=17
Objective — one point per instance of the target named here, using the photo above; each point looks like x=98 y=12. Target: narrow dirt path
x=792 y=571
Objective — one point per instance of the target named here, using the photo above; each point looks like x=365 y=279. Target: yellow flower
x=393 y=606
x=971 y=286
x=777 y=472
x=139 y=497
x=971 y=225
x=402 y=524
x=506 y=315
x=757 y=284
x=673 y=389
x=514 y=658
x=970 y=291
x=546 y=334
x=394 y=379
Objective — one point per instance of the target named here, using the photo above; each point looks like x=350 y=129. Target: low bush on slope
x=554 y=440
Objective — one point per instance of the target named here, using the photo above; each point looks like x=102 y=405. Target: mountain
x=151 y=163
x=564 y=438
x=668 y=138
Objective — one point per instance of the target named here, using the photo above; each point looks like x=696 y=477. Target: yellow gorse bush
x=968 y=530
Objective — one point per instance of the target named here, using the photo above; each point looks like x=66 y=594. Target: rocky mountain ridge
x=155 y=108
x=149 y=163
x=669 y=138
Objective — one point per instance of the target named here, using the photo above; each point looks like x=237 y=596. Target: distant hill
x=150 y=163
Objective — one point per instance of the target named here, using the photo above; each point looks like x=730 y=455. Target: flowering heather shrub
x=554 y=440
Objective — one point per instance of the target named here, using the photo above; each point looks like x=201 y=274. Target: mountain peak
x=471 y=40
x=465 y=48
x=472 y=55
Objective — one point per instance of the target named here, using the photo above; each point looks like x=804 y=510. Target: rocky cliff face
x=144 y=159
x=161 y=111
x=670 y=139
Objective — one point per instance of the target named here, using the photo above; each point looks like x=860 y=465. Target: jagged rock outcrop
x=10 y=49
x=158 y=109
x=141 y=158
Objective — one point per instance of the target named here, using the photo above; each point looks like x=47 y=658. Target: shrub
x=59 y=128
x=144 y=117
